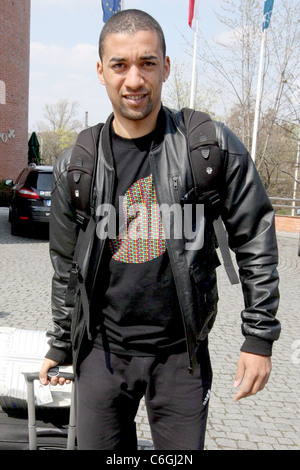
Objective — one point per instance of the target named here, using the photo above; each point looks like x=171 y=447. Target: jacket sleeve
x=249 y=218
x=62 y=238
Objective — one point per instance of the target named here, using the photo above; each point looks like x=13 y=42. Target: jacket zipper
x=175 y=180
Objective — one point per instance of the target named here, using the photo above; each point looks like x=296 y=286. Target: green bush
x=4 y=194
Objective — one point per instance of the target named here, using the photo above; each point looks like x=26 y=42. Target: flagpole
x=258 y=96
x=192 y=97
x=268 y=8
x=296 y=177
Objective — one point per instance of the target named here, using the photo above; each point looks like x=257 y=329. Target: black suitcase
x=38 y=429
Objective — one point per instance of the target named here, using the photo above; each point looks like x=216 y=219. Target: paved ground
x=268 y=421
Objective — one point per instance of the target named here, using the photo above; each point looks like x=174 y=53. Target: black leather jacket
x=246 y=212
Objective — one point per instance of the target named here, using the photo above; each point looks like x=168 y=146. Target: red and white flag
x=192 y=19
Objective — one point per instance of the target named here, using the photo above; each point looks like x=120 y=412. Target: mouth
x=136 y=98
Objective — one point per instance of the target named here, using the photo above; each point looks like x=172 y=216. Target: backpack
x=206 y=165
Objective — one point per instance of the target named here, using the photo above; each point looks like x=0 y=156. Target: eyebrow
x=122 y=59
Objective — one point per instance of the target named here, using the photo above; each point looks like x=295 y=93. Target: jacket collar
x=165 y=123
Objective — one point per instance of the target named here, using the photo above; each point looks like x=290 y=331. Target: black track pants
x=109 y=388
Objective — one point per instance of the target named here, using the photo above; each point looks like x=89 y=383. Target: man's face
x=133 y=70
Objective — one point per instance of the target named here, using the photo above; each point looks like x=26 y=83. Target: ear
x=167 y=68
x=100 y=72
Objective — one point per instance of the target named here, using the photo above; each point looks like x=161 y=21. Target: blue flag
x=110 y=7
x=268 y=8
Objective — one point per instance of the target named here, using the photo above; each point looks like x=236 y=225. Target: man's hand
x=257 y=369
x=48 y=364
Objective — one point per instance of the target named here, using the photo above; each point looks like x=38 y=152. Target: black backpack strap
x=81 y=173
x=204 y=151
x=206 y=163
x=221 y=236
x=78 y=273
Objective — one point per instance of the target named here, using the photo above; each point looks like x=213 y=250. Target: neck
x=132 y=129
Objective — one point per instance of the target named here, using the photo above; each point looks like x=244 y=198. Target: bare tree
x=233 y=61
x=60 y=129
x=283 y=72
x=62 y=115
x=176 y=93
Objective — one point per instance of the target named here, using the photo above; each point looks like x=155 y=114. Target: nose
x=134 y=78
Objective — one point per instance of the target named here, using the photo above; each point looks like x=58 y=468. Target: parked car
x=30 y=198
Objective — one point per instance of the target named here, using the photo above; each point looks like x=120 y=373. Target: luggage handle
x=54 y=372
x=29 y=378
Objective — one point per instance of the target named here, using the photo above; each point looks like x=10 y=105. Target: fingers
x=251 y=386
x=53 y=380
x=240 y=372
x=58 y=381
x=256 y=370
x=47 y=364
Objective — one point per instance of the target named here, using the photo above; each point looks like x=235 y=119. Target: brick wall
x=287 y=224
x=14 y=85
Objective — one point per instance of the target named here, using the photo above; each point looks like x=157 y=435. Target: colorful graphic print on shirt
x=143 y=238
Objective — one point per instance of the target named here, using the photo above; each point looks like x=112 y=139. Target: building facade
x=14 y=86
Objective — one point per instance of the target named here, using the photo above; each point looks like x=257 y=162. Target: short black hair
x=129 y=22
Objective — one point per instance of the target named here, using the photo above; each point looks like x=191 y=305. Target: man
x=152 y=301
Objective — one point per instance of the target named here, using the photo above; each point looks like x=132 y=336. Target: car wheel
x=15 y=229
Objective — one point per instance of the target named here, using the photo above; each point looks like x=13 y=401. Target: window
x=39 y=180
x=2 y=93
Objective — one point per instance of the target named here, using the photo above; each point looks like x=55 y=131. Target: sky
x=64 y=49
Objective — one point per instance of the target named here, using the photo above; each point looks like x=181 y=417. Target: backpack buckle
x=190 y=197
x=214 y=199
x=82 y=221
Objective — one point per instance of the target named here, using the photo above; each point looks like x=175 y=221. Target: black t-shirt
x=139 y=312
